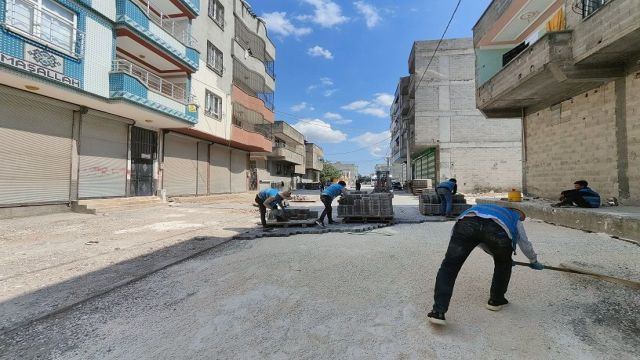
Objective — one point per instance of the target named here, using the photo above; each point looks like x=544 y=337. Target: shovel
x=575 y=270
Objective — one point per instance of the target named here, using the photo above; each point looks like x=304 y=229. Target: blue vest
x=333 y=190
x=590 y=196
x=506 y=216
x=447 y=185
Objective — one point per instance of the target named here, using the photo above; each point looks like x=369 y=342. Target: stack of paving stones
x=358 y=204
x=293 y=214
x=429 y=203
x=419 y=186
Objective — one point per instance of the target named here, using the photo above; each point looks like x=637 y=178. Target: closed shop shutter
x=239 y=167
x=180 y=172
x=203 y=168
x=35 y=151
x=220 y=165
x=103 y=157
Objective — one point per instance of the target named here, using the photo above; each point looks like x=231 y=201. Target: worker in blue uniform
x=327 y=197
x=497 y=230
x=446 y=190
x=270 y=198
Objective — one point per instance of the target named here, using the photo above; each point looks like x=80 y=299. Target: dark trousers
x=571 y=197
x=446 y=201
x=263 y=211
x=467 y=234
x=328 y=211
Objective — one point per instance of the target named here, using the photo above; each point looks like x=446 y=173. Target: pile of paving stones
x=419 y=186
x=429 y=203
x=292 y=214
x=359 y=204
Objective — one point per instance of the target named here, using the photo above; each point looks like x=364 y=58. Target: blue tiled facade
x=85 y=71
x=130 y=15
x=193 y=5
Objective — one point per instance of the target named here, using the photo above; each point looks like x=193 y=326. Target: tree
x=329 y=172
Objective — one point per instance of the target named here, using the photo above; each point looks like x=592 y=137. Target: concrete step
x=94 y=206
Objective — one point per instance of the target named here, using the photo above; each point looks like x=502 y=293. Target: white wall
x=97 y=58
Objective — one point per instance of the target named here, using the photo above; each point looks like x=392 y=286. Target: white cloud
x=360 y=104
x=369 y=12
x=376 y=143
x=325 y=81
x=278 y=23
x=326 y=13
x=330 y=92
x=375 y=111
x=384 y=99
x=332 y=116
x=318 y=51
x=298 y=107
x=318 y=131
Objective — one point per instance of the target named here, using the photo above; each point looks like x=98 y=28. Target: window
x=216 y=12
x=212 y=105
x=214 y=58
x=46 y=20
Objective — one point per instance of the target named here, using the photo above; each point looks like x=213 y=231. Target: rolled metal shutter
x=220 y=174
x=203 y=168
x=103 y=157
x=239 y=167
x=180 y=172
x=35 y=151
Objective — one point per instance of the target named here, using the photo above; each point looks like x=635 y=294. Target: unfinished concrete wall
x=482 y=154
x=571 y=141
x=632 y=113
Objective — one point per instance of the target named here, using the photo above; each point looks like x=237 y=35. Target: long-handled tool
x=575 y=270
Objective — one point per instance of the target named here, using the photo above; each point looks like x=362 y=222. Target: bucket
x=514 y=196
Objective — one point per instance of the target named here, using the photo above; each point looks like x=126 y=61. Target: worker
x=358 y=185
x=270 y=198
x=497 y=230
x=582 y=196
x=327 y=197
x=446 y=190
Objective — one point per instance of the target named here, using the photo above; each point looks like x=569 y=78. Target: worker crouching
x=270 y=198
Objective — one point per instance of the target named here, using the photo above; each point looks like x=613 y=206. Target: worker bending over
x=497 y=230
x=270 y=198
x=446 y=190
x=581 y=196
x=327 y=197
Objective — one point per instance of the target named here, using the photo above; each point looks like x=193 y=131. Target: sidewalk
x=52 y=261
x=618 y=221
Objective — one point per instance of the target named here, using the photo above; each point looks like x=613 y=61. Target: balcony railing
x=153 y=82
x=588 y=7
x=255 y=45
x=41 y=25
x=179 y=29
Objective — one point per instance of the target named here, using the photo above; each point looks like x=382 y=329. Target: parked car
x=396 y=185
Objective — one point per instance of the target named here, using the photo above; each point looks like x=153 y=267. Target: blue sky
x=338 y=63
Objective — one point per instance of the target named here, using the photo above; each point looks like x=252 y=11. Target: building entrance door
x=144 y=145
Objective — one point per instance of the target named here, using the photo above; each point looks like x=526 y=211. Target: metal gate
x=180 y=174
x=424 y=165
x=35 y=150
x=103 y=157
x=239 y=171
x=144 y=151
x=220 y=169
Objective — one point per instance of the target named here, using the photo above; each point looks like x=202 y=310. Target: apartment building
x=314 y=162
x=286 y=162
x=130 y=98
x=437 y=132
x=349 y=172
x=571 y=71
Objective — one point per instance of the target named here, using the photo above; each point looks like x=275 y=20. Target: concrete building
x=130 y=98
x=571 y=71
x=314 y=162
x=437 y=130
x=349 y=172
x=286 y=162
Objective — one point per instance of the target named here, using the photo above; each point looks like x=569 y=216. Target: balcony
x=193 y=6
x=256 y=46
x=252 y=63
x=282 y=129
x=609 y=33
x=250 y=131
x=406 y=106
x=286 y=153
x=412 y=86
x=253 y=83
x=538 y=77
x=313 y=155
x=44 y=27
x=139 y=25
x=136 y=84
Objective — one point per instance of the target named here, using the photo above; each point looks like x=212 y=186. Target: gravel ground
x=354 y=296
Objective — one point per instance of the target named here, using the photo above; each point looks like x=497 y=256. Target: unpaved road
x=354 y=296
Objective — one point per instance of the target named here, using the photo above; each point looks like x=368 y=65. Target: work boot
x=436 y=318
x=320 y=223
x=496 y=305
